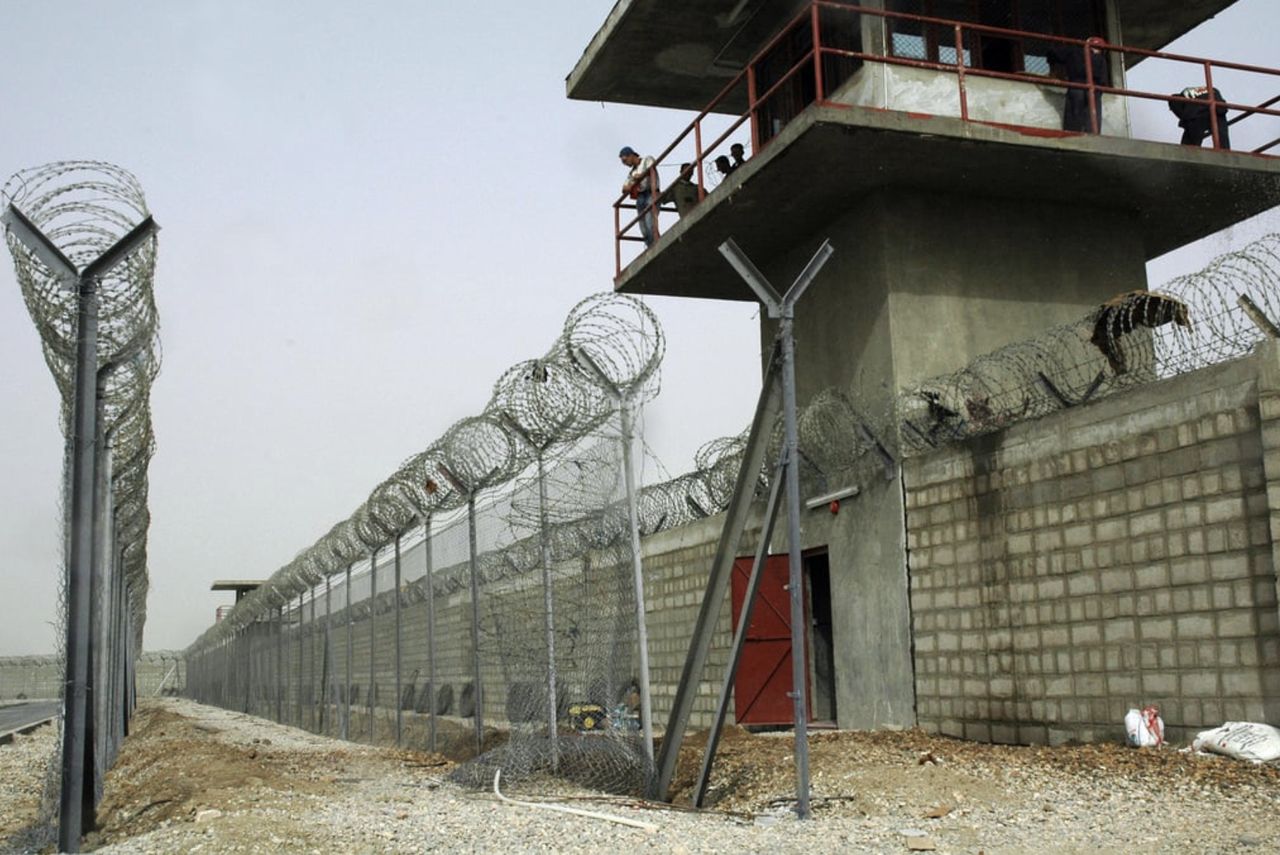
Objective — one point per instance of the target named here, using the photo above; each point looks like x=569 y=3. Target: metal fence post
x=548 y=611
x=477 y=693
x=346 y=695
x=78 y=736
x=430 y=587
x=783 y=308
x=373 y=640
x=326 y=714
x=399 y=705
x=278 y=677
x=311 y=680
x=637 y=561
x=627 y=430
x=298 y=682
x=75 y=742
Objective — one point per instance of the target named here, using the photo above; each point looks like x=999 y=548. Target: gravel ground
x=201 y=779
x=24 y=765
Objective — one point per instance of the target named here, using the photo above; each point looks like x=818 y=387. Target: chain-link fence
x=84 y=251
x=483 y=601
x=502 y=628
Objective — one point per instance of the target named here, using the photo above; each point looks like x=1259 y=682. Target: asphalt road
x=27 y=713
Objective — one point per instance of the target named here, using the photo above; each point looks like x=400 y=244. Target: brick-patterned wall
x=675 y=566
x=1110 y=556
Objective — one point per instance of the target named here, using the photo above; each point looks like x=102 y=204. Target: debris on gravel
x=192 y=778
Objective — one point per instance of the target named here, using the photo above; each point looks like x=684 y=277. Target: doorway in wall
x=763 y=684
x=822 y=659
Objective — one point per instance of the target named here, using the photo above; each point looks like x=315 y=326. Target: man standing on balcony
x=1068 y=61
x=642 y=187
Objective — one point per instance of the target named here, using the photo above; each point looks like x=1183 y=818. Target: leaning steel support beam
x=740 y=634
x=777 y=393
x=767 y=409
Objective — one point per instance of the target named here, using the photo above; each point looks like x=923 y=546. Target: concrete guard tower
x=925 y=139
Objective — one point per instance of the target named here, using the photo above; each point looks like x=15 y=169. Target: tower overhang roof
x=828 y=158
x=673 y=53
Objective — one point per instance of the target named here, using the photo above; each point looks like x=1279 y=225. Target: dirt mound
x=173 y=768
x=868 y=773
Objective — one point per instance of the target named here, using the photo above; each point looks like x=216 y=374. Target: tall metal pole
x=799 y=663
x=228 y=673
x=346 y=695
x=79 y=570
x=311 y=680
x=548 y=611
x=298 y=700
x=373 y=645
x=429 y=583
x=477 y=693
x=783 y=308
x=326 y=715
x=81 y=560
x=117 y=654
x=627 y=426
x=637 y=564
x=399 y=705
x=244 y=660
x=279 y=669
x=100 y=528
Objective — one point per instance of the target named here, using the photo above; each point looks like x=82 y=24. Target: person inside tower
x=738 y=153
x=1067 y=62
x=641 y=185
x=683 y=191
x=724 y=167
x=1194 y=118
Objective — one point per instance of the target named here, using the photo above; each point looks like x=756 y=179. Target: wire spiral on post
x=84 y=208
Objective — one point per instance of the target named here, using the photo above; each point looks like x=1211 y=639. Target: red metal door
x=761 y=690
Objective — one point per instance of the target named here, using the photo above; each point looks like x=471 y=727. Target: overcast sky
x=368 y=212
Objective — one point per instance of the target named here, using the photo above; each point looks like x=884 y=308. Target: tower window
x=1077 y=19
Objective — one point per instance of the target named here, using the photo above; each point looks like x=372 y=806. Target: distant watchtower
x=926 y=140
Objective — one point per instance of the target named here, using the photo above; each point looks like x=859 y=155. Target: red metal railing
x=811 y=62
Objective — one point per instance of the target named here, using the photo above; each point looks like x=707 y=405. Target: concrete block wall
x=594 y=624
x=676 y=566
x=1107 y=557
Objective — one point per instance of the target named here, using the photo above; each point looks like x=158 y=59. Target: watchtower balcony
x=845 y=100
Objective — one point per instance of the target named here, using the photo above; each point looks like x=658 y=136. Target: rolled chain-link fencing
x=83 y=209
x=552 y=638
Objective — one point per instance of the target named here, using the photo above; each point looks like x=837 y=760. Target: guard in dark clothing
x=1068 y=62
x=1194 y=118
